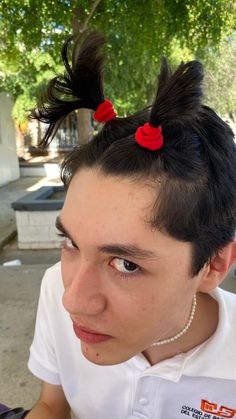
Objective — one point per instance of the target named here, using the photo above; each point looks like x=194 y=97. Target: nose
x=83 y=290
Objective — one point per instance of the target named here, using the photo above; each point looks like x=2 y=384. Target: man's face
x=121 y=278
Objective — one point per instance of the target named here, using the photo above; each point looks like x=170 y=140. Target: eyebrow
x=60 y=227
x=127 y=251
x=115 y=249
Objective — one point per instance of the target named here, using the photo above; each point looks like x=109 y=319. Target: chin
x=102 y=356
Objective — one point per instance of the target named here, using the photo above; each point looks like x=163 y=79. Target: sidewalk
x=18 y=302
x=19 y=290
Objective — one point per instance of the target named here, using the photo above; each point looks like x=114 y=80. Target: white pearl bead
x=184 y=330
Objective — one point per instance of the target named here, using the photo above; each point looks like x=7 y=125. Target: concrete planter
x=50 y=170
x=36 y=214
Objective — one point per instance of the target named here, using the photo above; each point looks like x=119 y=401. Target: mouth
x=89 y=336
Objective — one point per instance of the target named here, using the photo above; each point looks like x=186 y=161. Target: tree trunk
x=39 y=134
x=85 y=128
x=80 y=22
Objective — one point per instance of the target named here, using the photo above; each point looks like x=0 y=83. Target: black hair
x=195 y=170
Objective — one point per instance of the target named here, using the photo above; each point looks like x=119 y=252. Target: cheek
x=136 y=306
x=67 y=269
x=154 y=300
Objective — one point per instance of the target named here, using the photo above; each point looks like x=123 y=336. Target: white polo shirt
x=198 y=384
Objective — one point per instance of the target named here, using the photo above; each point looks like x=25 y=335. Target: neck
x=203 y=326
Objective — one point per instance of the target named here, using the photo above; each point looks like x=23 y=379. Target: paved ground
x=18 y=302
x=19 y=289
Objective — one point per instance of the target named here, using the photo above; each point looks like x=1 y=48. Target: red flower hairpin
x=105 y=112
x=149 y=137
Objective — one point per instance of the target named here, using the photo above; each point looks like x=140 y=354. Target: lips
x=89 y=336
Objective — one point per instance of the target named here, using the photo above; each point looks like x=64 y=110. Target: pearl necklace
x=183 y=331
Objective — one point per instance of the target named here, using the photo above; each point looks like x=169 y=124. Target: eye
x=67 y=243
x=124 y=266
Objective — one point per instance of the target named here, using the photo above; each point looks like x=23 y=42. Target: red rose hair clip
x=105 y=112
x=149 y=137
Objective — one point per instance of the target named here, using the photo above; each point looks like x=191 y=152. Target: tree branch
x=94 y=6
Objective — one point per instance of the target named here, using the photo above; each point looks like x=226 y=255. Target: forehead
x=93 y=196
x=102 y=210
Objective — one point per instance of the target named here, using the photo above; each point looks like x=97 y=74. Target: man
x=132 y=323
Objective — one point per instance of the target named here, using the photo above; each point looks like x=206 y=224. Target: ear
x=214 y=273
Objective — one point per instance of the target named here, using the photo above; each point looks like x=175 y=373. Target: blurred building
x=9 y=165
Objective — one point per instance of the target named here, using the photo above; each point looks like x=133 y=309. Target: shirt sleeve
x=42 y=360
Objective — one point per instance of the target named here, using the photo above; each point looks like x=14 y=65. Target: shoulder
x=52 y=272
x=221 y=346
x=52 y=277
x=227 y=318
x=227 y=304
x=52 y=285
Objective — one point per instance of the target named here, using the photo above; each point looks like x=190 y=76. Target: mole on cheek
x=97 y=354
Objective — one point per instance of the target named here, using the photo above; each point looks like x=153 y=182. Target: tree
x=138 y=32
x=220 y=80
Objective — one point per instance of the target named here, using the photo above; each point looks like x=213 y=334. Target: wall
x=36 y=230
x=9 y=166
